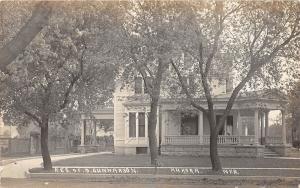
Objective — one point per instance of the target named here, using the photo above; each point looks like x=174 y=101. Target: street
x=76 y=184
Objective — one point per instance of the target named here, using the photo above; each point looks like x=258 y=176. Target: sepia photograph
x=150 y=93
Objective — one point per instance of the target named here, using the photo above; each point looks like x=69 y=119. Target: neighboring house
x=95 y=126
x=8 y=131
x=182 y=130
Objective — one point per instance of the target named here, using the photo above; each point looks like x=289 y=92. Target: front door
x=227 y=129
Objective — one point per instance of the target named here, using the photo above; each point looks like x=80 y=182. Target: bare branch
x=142 y=71
x=256 y=36
x=33 y=116
x=26 y=111
x=253 y=69
x=233 y=96
x=149 y=71
x=215 y=47
x=201 y=61
x=68 y=91
x=185 y=89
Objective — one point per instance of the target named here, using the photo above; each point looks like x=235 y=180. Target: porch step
x=270 y=153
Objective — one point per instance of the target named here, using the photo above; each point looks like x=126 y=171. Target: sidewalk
x=11 y=159
x=18 y=167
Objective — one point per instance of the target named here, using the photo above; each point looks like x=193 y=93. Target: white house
x=182 y=130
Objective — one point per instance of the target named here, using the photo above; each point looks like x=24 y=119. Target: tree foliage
x=267 y=32
x=68 y=67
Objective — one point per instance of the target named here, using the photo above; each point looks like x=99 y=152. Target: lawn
x=113 y=160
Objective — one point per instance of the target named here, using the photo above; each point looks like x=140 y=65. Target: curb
x=163 y=178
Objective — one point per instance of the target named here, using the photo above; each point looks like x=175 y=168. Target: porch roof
x=264 y=99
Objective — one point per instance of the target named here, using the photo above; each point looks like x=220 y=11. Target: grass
x=112 y=160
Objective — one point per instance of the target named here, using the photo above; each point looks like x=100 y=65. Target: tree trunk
x=47 y=163
x=152 y=121
x=213 y=146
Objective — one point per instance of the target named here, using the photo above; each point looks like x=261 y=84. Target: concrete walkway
x=19 y=167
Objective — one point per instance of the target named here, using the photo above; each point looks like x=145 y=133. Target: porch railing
x=198 y=140
x=274 y=140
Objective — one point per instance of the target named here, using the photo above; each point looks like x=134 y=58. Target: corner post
x=256 y=126
x=266 y=126
x=283 y=127
x=82 y=132
x=200 y=128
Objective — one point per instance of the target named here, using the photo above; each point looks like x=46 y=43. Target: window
x=229 y=125
x=185 y=81
x=141 y=150
x=145 y=88
x=189 y=124
x=138 y=87
x=222 y=131
x=141 y=117
x=229 y=86
x=228 y=129
x=189 y=82
x=132 y=125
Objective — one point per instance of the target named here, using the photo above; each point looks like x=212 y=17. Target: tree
x=62 y=62
x=26 y=34
x=267 y=34
x=148 y=50
x=294 y=109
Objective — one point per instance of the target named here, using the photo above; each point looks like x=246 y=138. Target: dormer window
x=139 y=86
x=189 y=82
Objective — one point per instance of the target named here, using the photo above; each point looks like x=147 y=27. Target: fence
x=14 y=146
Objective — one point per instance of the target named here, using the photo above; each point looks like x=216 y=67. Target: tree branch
x=185 y=89
x=254 y=68
x=33 y=116
x=68 y=91
x=27 y=112
x=35 y=24
x=233 y=96
x=215 y=47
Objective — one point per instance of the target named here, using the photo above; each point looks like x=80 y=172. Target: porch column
x=82 y=125
x=94 y=132
x=136 y=124
x=157 y=126
x=262 y=127
x=256 y=124
x=283 y=127
x=266 y=125
x=146 y=124
x=200 y=126
x=238 y=123
x=164 y=118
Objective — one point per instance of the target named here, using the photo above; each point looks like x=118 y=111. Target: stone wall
x=203 y=150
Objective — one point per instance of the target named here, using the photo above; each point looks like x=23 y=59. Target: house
x=183 y=130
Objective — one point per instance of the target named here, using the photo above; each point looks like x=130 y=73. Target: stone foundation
x=127 y=150
x=223 y=150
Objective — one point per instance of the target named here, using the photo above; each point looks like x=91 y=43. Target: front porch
x=222 y=140
x=245 y=132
